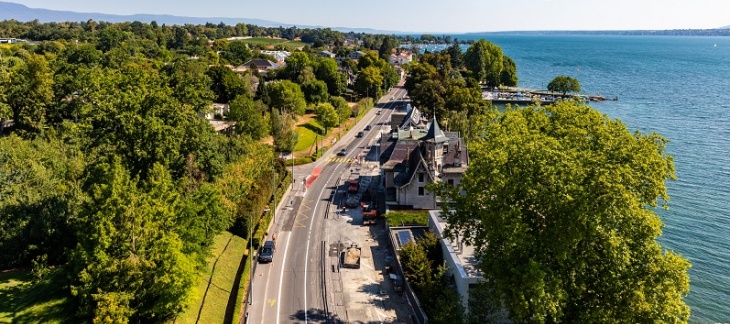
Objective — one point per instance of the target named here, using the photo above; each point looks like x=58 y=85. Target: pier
x=528 y=96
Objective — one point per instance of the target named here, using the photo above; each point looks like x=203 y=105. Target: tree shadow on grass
x=313 y=128
x=47 y=301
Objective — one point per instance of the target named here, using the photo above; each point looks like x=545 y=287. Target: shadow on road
x=316 y=315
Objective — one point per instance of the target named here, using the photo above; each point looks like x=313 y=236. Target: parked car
x=342 y=152
x=267 y=252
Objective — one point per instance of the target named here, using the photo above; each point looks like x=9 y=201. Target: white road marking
x=281 y=279
x=306 y=256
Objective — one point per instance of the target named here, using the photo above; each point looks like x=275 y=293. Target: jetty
x=528 y=96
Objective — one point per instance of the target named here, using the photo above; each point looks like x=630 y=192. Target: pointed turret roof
x=435 y=134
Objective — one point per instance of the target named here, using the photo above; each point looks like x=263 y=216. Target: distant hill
x=19 y=12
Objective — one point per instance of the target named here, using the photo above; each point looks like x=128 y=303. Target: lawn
x=213 y=293
x=290 y=45
x=22 y=301
x=407 y=217
x=307 y=130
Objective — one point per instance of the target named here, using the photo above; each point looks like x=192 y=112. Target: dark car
x=368 y=127
x=342 y=152
x=267 y=252
x=360 y=134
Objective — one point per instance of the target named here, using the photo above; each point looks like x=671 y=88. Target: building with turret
x=416 y=154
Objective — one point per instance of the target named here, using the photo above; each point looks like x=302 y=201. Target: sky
x=435 y=16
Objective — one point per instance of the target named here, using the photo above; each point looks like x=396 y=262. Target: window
x=451 y=182
x=446 y=148
x=421 y=192
x=420 y=177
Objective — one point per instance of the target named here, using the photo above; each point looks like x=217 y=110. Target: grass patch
x=216 y=284
x=265 y=41
x=407 y=217
x=23 y=301
x=308 y=133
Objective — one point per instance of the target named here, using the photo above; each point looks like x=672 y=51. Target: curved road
x=290 y=289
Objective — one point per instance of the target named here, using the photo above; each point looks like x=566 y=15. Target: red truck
x=369 y=214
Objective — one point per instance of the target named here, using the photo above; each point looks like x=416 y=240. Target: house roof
x=435 y=134
x=413 y=119
x=265 y=64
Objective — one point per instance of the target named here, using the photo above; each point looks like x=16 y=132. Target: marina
x=529 y=96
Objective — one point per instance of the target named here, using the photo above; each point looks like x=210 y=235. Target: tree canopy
x=558 y=202
x=484 y=59
x=564 y=84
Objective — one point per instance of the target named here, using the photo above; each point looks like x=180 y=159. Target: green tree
x=508 y=76
x=109 y=38
x=237 y=53
x=28 y=90
x=129 y=261
x=315 y=92
x=41 y=195
x=283 y=131
x=249 y=119
x=327 y=116
x=226 y=84
x=564 y=84
x=328 y=71
x=455 y=54
x=386 y=48
x=190 y=84
x=484 y=60
x=296 y=63
x=369 y=82
x=343 y=109
x=569 y=196
x=286 y=96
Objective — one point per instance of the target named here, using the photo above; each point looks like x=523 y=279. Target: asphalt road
x=290 y=289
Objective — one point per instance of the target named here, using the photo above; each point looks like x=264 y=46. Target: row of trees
x=449 y=84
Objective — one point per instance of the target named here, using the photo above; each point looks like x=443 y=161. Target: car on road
x=368 y=127
x=342 y=152
x=360 y=134
x=267 y=252
x=379 y=112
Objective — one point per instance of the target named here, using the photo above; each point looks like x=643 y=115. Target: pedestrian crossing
x=341 y=160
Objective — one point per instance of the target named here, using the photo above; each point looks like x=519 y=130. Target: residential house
x=415 y=156
x=261 y=65
x=400 y=58
x=215 y=116
x=355 y=55
x=326 y=54
x=279 y=56
x=216 y=111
